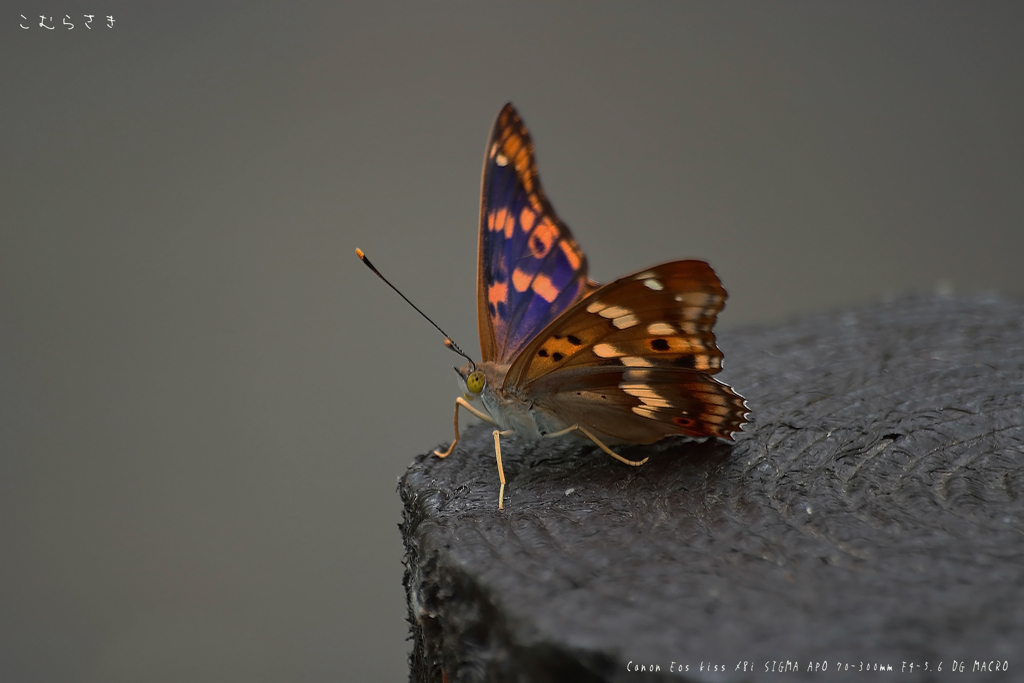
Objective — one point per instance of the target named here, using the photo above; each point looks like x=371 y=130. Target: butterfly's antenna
x=447 y=340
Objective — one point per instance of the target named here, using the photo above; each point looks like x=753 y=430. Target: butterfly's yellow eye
x=475 y=381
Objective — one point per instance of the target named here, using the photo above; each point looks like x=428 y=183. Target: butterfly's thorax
x=513 y=409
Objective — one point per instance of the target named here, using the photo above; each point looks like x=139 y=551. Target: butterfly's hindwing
x=530 y=268
x=642 y=405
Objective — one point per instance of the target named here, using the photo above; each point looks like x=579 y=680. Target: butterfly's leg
x=501 y=470
x=465 y=404
x=600 y=444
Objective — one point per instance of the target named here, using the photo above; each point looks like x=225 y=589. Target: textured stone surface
x=873 y=512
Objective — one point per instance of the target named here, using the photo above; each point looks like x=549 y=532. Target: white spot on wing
x=606 y=351
x=645 y=411
x=624 y=322
x=501 y=160
x=644 y=275
x=660 y=329
x=654 y=283
x=614 y=312
x=636 y=362
x=641 y=390
x=596 y=307
x=656 y=401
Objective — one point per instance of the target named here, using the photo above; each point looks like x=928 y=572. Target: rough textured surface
x=872 y=513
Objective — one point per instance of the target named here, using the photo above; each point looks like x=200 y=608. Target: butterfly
x=629 y=362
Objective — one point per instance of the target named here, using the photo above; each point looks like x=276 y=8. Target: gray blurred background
x=206 y=399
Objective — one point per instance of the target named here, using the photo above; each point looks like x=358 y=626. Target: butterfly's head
x=471 y=380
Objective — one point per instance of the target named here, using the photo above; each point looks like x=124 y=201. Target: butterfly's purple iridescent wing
x=529 y=267
x=633 y=361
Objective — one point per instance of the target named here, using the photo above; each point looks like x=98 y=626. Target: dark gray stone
x=872 y=513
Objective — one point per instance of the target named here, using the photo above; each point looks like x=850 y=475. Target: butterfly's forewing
x=641 y=349
x=529 y=268
x=661 y=316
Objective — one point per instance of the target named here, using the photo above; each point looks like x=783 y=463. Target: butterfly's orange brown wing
x=634 y=359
